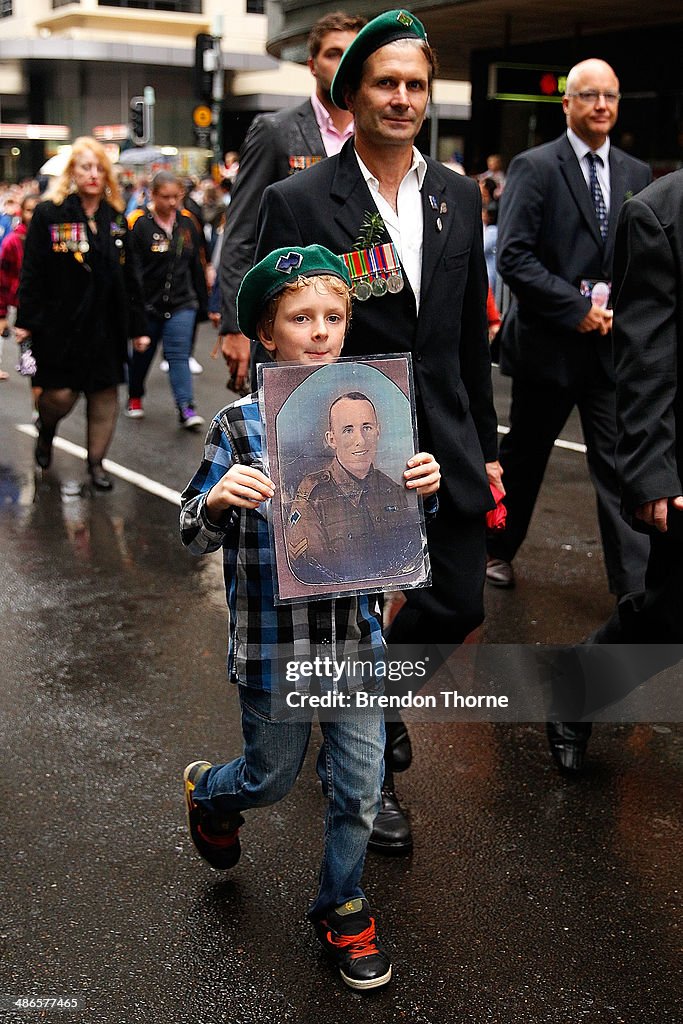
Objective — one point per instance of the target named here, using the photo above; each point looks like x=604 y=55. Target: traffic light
x=204 y=65
x=136 y=122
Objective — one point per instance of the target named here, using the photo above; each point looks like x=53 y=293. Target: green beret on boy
x=280 y=268
x=386 y=28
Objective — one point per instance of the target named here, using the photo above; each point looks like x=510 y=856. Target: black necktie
x=596 y=193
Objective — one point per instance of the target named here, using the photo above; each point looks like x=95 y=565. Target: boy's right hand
x=241 y=487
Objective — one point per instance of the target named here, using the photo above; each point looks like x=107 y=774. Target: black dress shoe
x=568 y=742
x=500 y=573
x=43 y=451
x=391 y=831
x=398 y=746
x=98 y=478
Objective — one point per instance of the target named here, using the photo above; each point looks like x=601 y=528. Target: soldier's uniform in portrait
x=342 y=528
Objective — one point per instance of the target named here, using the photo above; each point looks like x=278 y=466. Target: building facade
x=516 y=54
x=68 y=67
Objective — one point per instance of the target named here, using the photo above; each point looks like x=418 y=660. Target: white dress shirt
x=405 y=226
x=602 y=169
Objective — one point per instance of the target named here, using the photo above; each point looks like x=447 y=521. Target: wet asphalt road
x=529 y=899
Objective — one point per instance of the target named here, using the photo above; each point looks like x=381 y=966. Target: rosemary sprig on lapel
x=371 y=230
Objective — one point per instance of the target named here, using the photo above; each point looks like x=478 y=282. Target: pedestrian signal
x=204 y=65
x=136 y=122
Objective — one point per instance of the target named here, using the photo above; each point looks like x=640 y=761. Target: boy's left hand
x=423 y=474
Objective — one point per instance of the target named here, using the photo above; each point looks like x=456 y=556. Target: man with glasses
x=556 y=229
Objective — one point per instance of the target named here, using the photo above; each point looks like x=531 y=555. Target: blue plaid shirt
x=264 y=636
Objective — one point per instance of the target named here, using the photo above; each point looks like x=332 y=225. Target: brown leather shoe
x=500 y=573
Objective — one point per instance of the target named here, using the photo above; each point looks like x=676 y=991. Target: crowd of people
x=335 y=178
x=166 y=272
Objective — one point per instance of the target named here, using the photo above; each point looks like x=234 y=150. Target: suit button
x=418 y=357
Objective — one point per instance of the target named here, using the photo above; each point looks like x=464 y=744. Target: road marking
x=570 y=446
x=129 y=475
x=161 y=491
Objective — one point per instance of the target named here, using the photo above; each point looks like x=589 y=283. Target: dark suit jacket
x=548 y=240
x=648 y=342
x=271 y=141
x=448 y=339
x=59 y=293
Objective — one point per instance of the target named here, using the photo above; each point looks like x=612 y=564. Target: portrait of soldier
x=349 y=521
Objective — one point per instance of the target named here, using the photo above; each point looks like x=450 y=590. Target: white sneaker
x=163 y=365
x=195 y=367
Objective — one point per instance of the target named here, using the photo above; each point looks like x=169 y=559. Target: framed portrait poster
x=337 y=440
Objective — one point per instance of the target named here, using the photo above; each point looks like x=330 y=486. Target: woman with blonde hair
x=80 y=299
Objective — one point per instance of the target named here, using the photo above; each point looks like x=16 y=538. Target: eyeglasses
x=592 y=96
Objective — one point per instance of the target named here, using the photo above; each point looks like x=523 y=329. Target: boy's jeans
x=350 y=766
x=175 y=333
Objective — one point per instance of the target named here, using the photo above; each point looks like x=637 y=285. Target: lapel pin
x=439 y=224
x=433 y=203
x=443 y=208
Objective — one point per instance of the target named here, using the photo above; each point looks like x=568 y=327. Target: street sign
x=201 y=116
x=526 y=83
x=203 y=137
x=53 y=132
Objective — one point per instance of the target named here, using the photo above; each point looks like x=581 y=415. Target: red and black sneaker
x=349 y=937
x=217 y=839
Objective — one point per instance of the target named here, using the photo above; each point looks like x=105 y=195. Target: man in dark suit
x=556 y=229
x=277 y=146
x=648 y=354
x=648 y=357
x=380 y=187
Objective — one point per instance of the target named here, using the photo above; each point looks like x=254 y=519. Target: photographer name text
x=363 y=699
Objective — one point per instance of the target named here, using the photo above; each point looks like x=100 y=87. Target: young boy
x=298 y=302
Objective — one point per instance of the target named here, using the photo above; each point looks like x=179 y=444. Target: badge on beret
x=292 y=261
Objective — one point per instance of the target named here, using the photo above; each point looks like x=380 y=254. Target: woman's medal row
x=69 y=237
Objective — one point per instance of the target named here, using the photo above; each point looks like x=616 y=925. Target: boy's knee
x=271 y=787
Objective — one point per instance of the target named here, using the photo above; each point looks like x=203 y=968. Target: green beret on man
x=386 y=28
x=278 y=269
